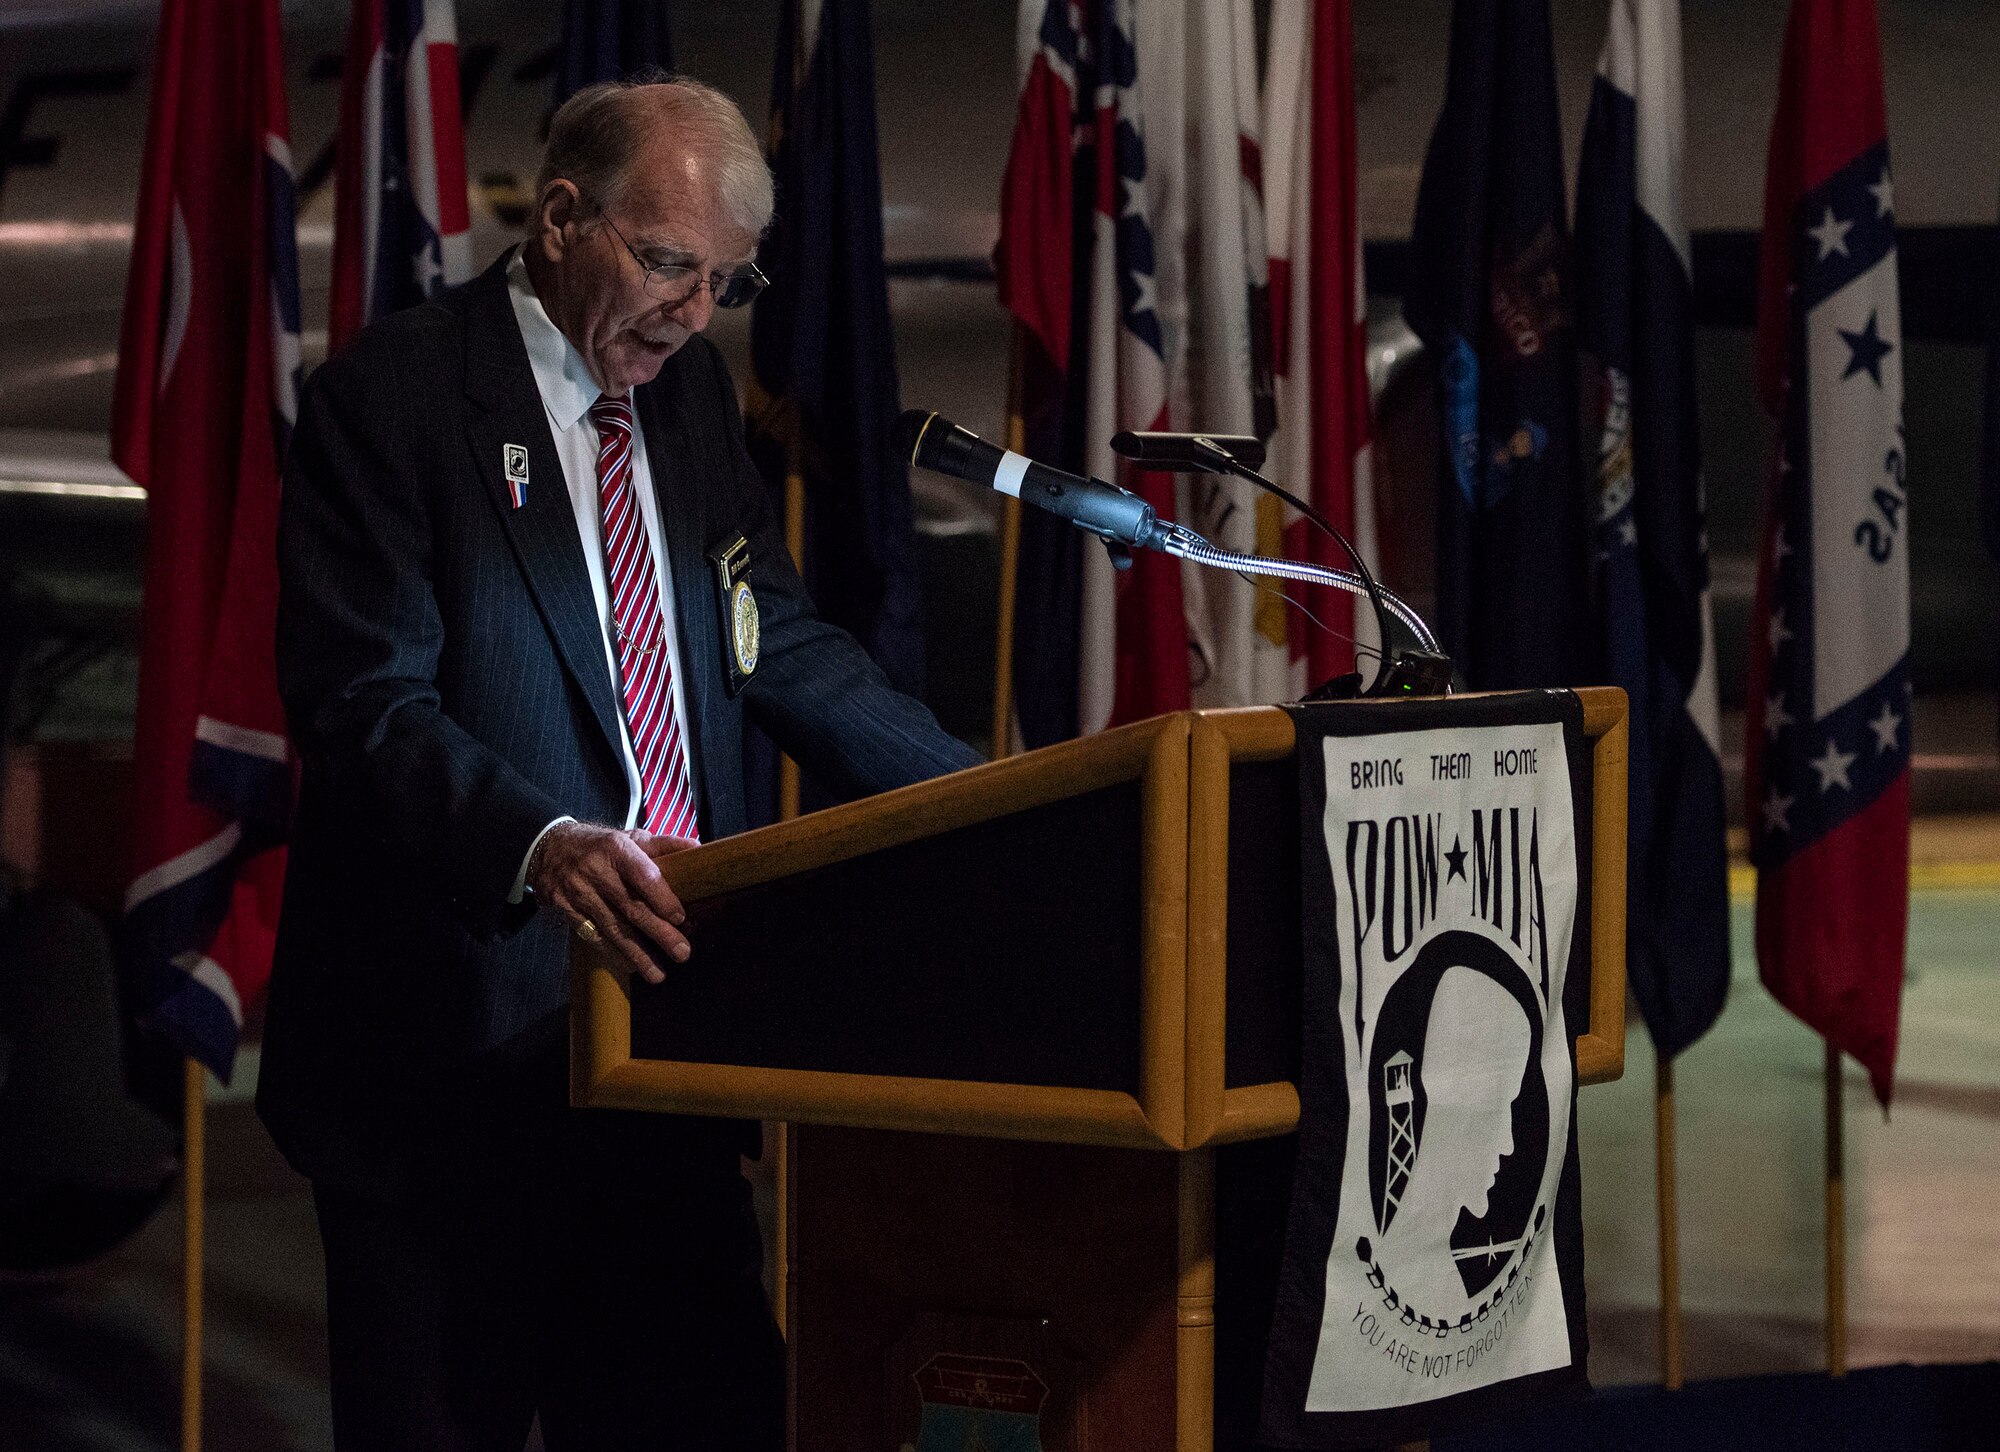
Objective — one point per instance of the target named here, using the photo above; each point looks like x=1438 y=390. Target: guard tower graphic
x=1400 y=1102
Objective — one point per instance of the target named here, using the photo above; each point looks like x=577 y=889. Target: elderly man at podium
x=531 y=587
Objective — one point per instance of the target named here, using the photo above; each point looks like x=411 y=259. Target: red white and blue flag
x=1133 y=652
x=1206 y=205
x=402 y=225
x=1096 y=647
x=1045 y=224
x=207 y=389
x=1319 y=327
x=1827 y=729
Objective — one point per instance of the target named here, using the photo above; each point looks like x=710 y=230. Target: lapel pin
x=514 y=460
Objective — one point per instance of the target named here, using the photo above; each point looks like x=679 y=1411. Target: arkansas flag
x=208 y=368
x=402 y=230
x=1827 y=730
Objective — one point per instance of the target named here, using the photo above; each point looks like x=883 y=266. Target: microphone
x=1114 y=514
x=1190 y=453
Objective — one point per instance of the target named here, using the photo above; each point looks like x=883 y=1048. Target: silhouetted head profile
x=1475 y=1054
x=1476 y=1048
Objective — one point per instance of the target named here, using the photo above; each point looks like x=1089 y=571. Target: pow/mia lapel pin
x=514 y=463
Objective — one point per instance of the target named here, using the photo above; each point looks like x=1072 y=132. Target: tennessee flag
x=402 y=229
x=207 y=388
x=1826 y=752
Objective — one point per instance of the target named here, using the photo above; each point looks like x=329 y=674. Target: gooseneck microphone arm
x=1122 y=518
x=1183 y=543
x=1231 y=454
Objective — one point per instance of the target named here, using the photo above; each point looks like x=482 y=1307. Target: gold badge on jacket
x=736 y=609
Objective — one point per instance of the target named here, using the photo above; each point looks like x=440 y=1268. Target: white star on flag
x=1148 y=295
x=1628 y=532
x=1776 y=717
x=1779 y=549
x=1884 y=726
x=1775 y=808
x=1831 y=235
x=1885 y=195
x=1832 y=767
x=1779 y=635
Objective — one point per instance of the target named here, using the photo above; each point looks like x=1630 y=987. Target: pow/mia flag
x=1433 y=1265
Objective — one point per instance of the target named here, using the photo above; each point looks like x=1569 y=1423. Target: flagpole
x=194 y=1096
x=1010 y=560
x=788 y=808
x=1669 y=1219
x=795 y=544
x=1836 y=1219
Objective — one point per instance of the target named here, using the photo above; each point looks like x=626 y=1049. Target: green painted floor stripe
x=1924 y=877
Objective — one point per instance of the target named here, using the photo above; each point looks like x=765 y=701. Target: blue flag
x=1490 y=295
x=824 y=399
x=1636 y=324
x=610 y=40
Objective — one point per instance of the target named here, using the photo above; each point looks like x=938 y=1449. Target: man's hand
x=609 y=879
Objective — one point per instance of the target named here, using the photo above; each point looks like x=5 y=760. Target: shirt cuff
x=521 y=878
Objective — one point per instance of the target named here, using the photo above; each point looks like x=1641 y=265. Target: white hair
x=595 y=135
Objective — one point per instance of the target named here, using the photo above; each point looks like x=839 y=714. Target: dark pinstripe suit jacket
x=443 y=670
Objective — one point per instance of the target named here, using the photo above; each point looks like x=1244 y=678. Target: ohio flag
x=1133 y=655
x=1827 y=729
x=207 y=389
x=402 y=227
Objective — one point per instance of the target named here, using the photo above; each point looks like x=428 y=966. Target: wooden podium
x=1047 y=1011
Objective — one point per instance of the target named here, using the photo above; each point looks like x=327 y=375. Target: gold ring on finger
x=587 y=930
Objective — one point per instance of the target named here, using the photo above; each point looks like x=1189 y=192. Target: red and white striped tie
x=644 y=669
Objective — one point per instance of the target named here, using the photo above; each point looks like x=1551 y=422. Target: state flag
x=1826 y=753
x=611 y=40
x=1045 y=226
x=207 y=389
x=824 y=397
x=1492 y=298
x=1650 y=579
x=1319 y=329
x=402 y=229
x=1078 y=269
x=1205 y=193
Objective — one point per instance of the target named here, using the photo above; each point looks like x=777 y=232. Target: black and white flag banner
x=1433 y=1254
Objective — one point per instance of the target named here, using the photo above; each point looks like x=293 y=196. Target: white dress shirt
x=568 y=391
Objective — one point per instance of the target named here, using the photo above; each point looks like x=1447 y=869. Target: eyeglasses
x=674 y=283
